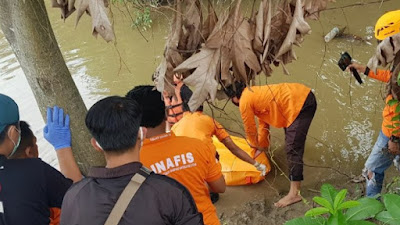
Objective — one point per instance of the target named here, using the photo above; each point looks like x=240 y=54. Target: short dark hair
x=235 y=90
x=27 y=139
x=153 y=106
x=186 y=94
x=114 y=122
x=3 y=134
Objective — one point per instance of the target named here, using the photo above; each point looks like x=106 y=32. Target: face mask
x=237 y=104
x=141 y=137
x=98 y=145
x=16 y=145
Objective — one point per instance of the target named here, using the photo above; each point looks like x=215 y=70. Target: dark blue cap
x=9 y=113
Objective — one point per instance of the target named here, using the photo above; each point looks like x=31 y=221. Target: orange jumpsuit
x=189 y=161
x=287 y=105
x=276 y=104
x=200 y=126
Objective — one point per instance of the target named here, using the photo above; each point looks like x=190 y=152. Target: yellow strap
x=124 y=199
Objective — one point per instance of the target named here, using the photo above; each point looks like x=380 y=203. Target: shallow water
x=348 y=118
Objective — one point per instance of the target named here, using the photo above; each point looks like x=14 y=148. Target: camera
x=344 y=62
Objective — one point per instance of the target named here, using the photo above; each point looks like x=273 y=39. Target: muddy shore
x=253 y=205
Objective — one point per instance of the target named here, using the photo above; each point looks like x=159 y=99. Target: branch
x=133 y=22
x=352 y=5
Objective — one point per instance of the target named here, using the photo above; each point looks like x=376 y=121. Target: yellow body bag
x=236 y=171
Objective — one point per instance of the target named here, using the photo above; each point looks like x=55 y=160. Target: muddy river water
x=348 y=117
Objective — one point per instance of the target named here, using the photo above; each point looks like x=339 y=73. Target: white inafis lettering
x=169 y=164
x=173 y=162
x=190 y=157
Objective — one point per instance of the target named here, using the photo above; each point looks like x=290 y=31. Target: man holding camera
x=387 y=144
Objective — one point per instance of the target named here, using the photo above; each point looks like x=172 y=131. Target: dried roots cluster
x=97 y=9
x=219 y=49
x=229 y=47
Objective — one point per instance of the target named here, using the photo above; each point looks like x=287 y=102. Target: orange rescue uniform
x=389 y=111
x=190 y=162
x=200 y=126
x=55 y=214
x=275 y=104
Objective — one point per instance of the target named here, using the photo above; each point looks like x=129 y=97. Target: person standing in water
x=387 y=144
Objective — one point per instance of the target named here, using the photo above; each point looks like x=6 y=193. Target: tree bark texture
x=26 y=26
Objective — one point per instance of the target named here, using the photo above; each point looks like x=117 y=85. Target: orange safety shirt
x=389 y=111
x=274 y=104
x=55 y=214
x=188 y=161
x=200 y=126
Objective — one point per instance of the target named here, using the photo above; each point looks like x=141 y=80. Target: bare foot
x=288 y=200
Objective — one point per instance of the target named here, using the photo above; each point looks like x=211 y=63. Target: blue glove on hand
x=57 y=131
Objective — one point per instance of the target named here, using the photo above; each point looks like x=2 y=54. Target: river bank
x=253 y=205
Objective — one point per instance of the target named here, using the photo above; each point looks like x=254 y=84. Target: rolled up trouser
x=379 y=160
x=295 y=138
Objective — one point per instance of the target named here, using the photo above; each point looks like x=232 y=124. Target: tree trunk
x=27 y=28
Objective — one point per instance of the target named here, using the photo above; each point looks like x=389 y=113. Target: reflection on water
x=348 y=117
x=359 y=140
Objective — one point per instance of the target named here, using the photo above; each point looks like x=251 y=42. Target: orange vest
x=55 y=214
x=388 y=126
x=174 y=105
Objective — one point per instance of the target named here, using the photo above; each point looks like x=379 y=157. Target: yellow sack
x=236 y=171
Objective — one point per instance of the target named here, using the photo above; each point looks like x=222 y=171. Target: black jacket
x=28 y=189
x=160 y=199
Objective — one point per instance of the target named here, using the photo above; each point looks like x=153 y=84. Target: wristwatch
x=395 y=139
x=366 y=72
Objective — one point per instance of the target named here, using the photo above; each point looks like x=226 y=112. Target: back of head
x=186 y=94
x=27 y=140
x=235 y=90
x=114 y=122
x=153 y=106
x=387 y=25
x=9 y=115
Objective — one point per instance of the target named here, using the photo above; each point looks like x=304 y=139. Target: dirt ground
x=241 y=205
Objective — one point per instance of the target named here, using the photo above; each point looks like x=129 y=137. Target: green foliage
x=143 y=19
x=328 y=192
x=392 y=204
x=396 y=118
x=359 y=222
x=341 y=212
x=368 y=208
x=337 y=219
x=397 y=109
x=142 y=12
x=333 y=201
x=393 y=187
x=398 y=79
x=317 y=211
x=386 y=218
x=392 y=102
x=307 y=221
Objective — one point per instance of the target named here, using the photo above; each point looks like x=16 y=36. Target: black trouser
x=295 y=138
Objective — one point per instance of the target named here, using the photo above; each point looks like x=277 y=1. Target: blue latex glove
x=57 y=131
